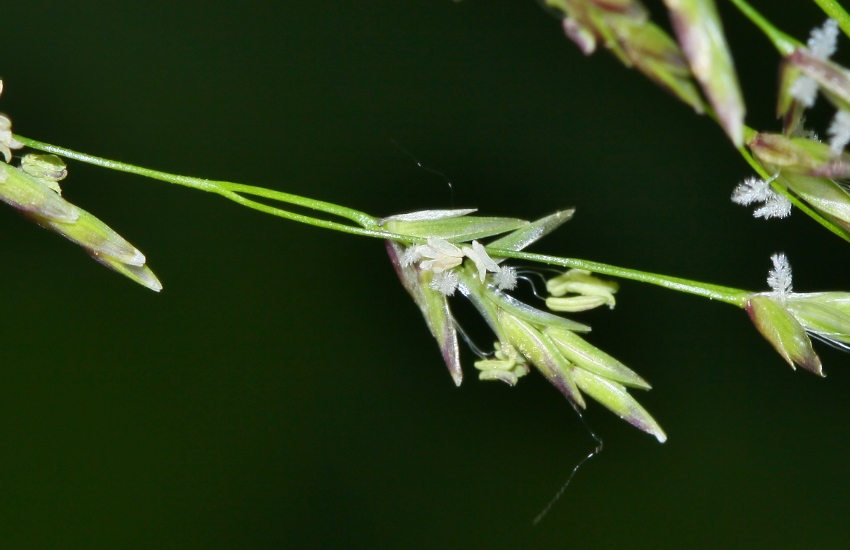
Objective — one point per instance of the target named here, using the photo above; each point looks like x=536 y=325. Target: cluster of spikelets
x=804 y=170
x=452 y=260
x=701 y=53
x=803 y=167
x=787 y=318
x=33 y=188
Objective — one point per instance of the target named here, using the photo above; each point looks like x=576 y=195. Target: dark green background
x=283 y=391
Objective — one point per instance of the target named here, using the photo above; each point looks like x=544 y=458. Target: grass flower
x=804 y=167
x=526 y=336
x=33 y=188
x=787 y=319
x=700 y=32
x=433 y=305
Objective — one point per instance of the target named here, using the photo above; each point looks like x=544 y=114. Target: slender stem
x=371 y=227
x=309 y=220
x=356 y=216
x=734 y=296
x=834 y=10
x=781 y=41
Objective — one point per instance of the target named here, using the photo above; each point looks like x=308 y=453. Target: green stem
x=224 y=188
x=733 y=296
x=371 y=227
x=834 y=10
x=781 y=41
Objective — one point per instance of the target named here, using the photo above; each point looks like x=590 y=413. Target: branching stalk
x=370 y=224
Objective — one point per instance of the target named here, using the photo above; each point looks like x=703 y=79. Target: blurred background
x=283 y=391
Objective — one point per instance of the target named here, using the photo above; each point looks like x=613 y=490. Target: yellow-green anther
x=44 y=166
x=542 y=353
x=495 y=364
x=507 y=365
x=615 y=398
x=505 y=376
x=784 y=332
x=579 y=281
x=434 y=308
x=700 y=34
x=574 y=304
x=32 y=195
x=587 y=356
x=91 y=233
x=48 y=169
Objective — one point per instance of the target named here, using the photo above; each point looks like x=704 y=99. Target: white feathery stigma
x=411 y=255
x=779 y=278
x=445 y=282
x=839 y=132
x=777 y=206
x=804 y=90
x=823 y=41
x=753 y=190
x=505 y=278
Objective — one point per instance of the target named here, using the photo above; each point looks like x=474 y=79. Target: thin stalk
x=834 y=10
x=733 y=296
x=371 y=227
x=214 y=186
x=309 y=220
x=781 y=41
